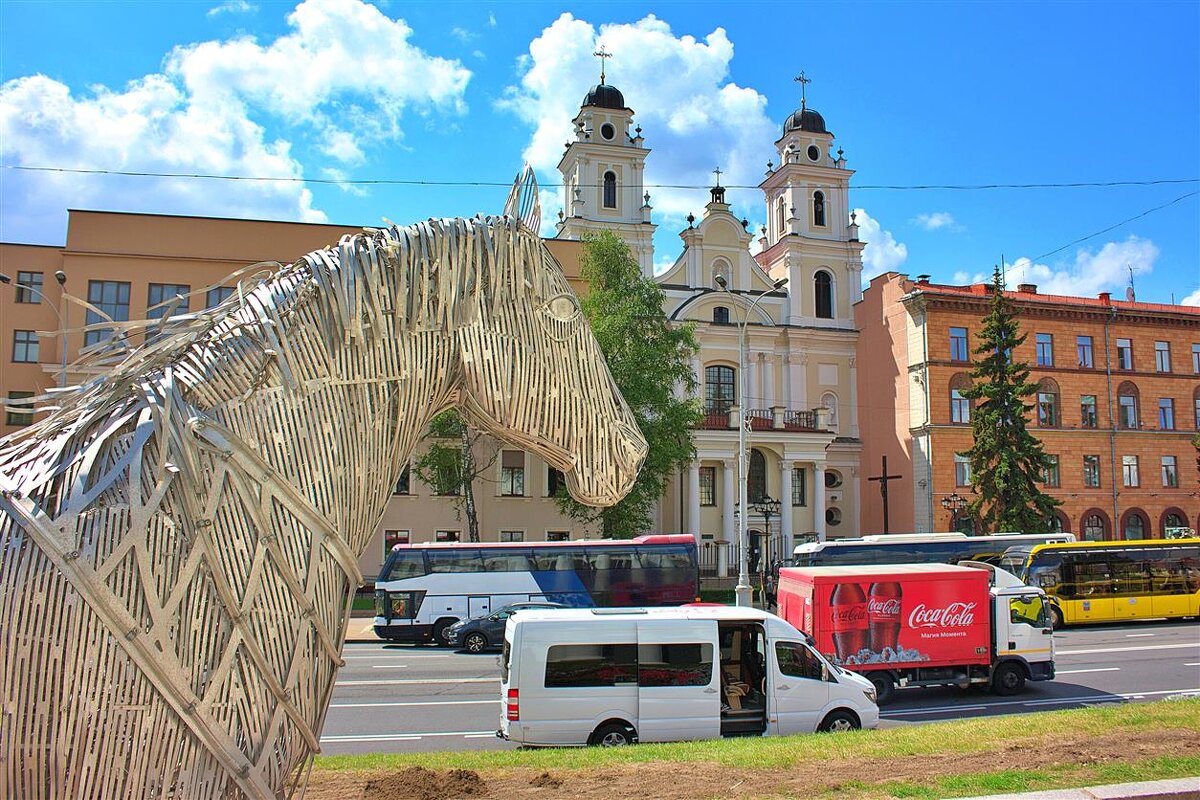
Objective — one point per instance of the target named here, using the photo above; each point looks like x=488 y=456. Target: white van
x=609 y=676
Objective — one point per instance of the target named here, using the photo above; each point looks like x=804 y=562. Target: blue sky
x=461 y=93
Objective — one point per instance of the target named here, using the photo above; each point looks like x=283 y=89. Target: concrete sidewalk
x=1175 y=789
x=361 y=630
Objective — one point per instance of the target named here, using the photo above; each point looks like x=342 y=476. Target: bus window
x=455 y=561
x=507 y=561
x=403 y=564
x=1045 y=572
x=1093 y=579
x=669 y=557
x=1130 y=575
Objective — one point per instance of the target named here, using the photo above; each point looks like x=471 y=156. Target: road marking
x=1126 y=649
x=414 y=681
x=389 y=666
x=1136 y=635
x=404 y=737
x=1099 y=698
x=427 y=703
x=1081 y=671
x=1193 y=664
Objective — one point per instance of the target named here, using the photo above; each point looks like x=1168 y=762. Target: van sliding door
x=679 y=694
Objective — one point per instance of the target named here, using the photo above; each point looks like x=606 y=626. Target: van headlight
x=870 y=693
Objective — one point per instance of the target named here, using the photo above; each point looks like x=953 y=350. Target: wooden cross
x=883 y=482
x=603 y=55
x=803 y=81
x=717 y=172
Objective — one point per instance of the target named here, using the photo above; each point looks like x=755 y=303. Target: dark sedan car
x=481 y=633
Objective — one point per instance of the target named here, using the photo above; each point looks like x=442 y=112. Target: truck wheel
x=839 y=721
x=475 y=643
x=1008 y=679
x=1056 y=618
x=441 y=632
x=885 y=687
x=614 y=734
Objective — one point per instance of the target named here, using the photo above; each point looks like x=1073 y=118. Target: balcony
x=721 y=417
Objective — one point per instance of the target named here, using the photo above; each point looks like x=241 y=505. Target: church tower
x=603 y=172
x=811 y=237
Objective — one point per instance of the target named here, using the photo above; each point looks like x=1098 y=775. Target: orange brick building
x=1117 y=407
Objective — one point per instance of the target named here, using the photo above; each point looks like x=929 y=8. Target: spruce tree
x=1007 y=461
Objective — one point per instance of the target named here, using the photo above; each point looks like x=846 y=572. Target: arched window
x=1196 y=401
x=756 y=477
x=719 y=389
x=1134 y=525
x=1047 y=404
x=1172 y=518
x=960 y=407
x=610 y=189
x=779 y=220
x=823 y=294
x=1095 y=526
x=1127 y=405
x=819 y=209
x=721 y=315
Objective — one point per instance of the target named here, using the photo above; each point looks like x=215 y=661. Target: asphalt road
x=405 y=698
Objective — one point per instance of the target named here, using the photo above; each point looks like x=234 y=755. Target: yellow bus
x=1113 y=581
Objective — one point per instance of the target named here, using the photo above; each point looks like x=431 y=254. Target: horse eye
x=563 y=308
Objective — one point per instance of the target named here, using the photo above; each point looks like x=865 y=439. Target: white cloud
x=1192 y=299
x=232 y=7
x=340 y=79
x=1103 y=270
x=491 y=20
x=882 y=253
x=937 y=220
x=693 y=117
x=462 y=34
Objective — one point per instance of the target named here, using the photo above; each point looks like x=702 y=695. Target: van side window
x=797 y=661
x=574 y=665
x=675 y=664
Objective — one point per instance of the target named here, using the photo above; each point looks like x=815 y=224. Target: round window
x=833 y=516
x=833 y=479
x=813 y=152
x=607 y=131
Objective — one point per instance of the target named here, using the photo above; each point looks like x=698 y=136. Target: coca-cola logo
x=955 y=615
x=883 y=608
x=848 y=615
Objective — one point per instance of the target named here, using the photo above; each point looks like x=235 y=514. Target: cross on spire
x=717 y=172
x=803 y=81
x=603 y=55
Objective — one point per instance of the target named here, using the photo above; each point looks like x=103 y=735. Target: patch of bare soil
x=707 y=781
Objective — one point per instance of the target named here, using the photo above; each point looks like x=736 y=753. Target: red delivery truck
x=923 y=624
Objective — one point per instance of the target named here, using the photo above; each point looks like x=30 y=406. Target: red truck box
x=893 y=616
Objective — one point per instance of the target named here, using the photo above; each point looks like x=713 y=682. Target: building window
x=160 y=296
x=819 y=209
x=779 y=220
x=558 y=536
x=958 y=345
x=823 y=290
x=1091 y=472
x=799 y=487
x=1129 y=471
x=391 y=538
x=756 y=477
x=1127 y=404
x=29 y=287
x=512 y=473
x=111 y=297
x=1087 y=411
x=1197 y=402
x=446 y=536
x=1045 y=350
x=719 y=392
x=16 y=401
x=708 y=486
x=962 y=470
x=1196 y=358
x=1162 y=356
x=217 y=295
x=1135 y=526
x=610 y=189
x=1047 y=405
x=512 y=536
x=1093 y=528
x=1170 y=473
x=1124 y=354
x=1050 y=473
x=1166 y=413
x=403 y=483
x=555 y=481
x=25 y=347
x=721 y=315
x=960 y=408
x=1083 y=350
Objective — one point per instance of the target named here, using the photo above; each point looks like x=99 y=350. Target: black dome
x=805 y=119
x=605 y=96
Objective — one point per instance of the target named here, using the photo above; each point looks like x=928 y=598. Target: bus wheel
x=475 y=643
x=441 y=632
x=885 y=687
x=614 y=734
x=1056 y=618
x=839 y=721
x=1008 y=679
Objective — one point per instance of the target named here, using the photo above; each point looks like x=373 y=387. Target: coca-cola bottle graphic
x=848 y=610
x=883 y=615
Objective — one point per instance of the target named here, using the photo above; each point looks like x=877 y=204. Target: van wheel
x=839 y=721
x=885 y=687
x=613 y=734
x=1008 y=679
x=441 y=632
x=475 y=643
x=1056 y=618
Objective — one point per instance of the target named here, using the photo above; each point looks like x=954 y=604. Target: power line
x=1116 y=225
x=448 y=183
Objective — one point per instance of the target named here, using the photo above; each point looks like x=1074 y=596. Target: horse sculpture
x=179 y=541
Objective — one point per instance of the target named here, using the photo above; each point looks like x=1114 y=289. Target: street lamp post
x=61 y=277
x=955 y=503
x=743 y=590
x=768 y=507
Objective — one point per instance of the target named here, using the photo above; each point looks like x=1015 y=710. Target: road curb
x=1174 y=789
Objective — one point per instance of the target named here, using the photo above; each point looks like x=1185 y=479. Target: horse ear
x=523 y=202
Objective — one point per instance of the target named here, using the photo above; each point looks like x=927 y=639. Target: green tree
x=1007 y=461
x=449 y=465
x=648 y=359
